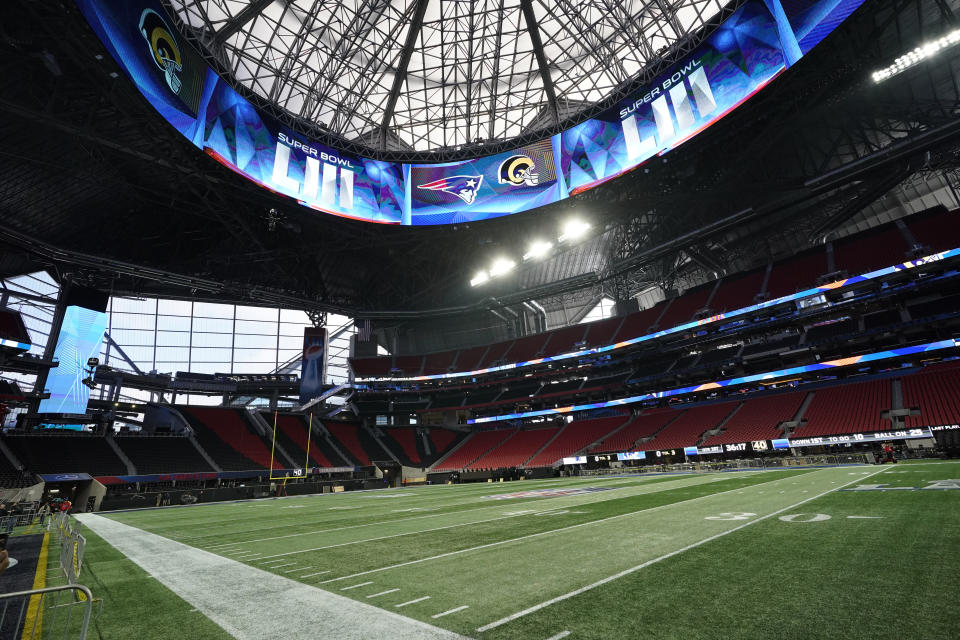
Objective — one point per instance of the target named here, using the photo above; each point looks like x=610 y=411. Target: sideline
x=224 y=591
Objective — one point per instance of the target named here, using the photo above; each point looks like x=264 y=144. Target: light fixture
x=501 y=266
x=917 y=56
x=574 y=229
x=480 y=278
x=538 y=249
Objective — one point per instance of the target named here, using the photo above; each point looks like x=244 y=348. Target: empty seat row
x=856 y=254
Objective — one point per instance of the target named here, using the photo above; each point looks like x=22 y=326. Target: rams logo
x=163 y=48
x=518 y=170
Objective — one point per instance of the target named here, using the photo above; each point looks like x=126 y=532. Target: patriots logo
x=464 y=187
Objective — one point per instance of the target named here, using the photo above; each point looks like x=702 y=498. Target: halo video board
x=760 y=40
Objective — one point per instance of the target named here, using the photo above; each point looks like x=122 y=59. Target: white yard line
x=526 y=537
x=626 y=572
x=454 y=610
x=219 y=548
x=408 y=533
x=562 y=634
x=222 y=589
x=318 y=573
x=362 y=584
x=383 y=593
x=403 y=604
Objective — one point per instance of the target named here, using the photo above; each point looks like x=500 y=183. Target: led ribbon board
x=756 y=43
x=815 y=291
x=731 y=382
x=14 y=344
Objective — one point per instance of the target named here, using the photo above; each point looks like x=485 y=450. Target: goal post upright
x=309 y=433
x=273 y=444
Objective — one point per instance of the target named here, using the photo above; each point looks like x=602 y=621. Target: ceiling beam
x=236 y=23
x=413 y=33
x=531 y=20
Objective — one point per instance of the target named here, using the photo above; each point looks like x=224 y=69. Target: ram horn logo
x=518 y=170
x=163 y=47
x=464 y=187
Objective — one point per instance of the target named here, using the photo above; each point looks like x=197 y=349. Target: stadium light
x=501 y=266
x=480 y=278
x=917 y=56
x=538 y=249
x=574 y=230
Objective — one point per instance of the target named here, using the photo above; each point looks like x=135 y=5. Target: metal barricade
x=72 y=545
x=24 y=518
x=44 y=614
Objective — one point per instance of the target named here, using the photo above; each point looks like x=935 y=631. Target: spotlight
x=480 y=278
x=538 y=249
x=917 y=56
x=88 y=382
x=574 y=230
x=501 y=266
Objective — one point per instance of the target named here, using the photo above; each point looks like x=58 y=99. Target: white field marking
x=285 y=564
x=562 y=634
x=382 y=593
x=271 y=561
x=397 y=535
x=362 y=584
x=217 y=548
x=865 y=517
x=295 y=569
x=222 y=589
x=795 y=517
x=454 y=610
x=526 y=537
x=403 y=604
x=318 y=573
x=626 y=572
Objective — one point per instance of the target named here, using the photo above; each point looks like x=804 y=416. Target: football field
x=848 y=552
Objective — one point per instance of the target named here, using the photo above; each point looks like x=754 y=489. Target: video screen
x=80 y=338
x=742 y=56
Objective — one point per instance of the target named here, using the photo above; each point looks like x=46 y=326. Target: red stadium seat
x=848 y=408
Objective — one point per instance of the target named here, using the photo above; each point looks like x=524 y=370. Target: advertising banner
x=313 y=365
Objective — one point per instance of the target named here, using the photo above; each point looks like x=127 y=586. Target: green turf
x=892 y=575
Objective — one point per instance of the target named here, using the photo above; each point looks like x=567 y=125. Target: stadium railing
x=47 y=613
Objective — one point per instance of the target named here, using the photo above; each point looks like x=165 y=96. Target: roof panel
x=334 y=62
